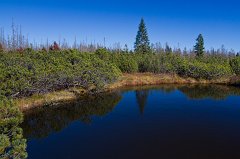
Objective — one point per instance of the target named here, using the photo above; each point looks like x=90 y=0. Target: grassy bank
x=126 y=80
x=141 y=79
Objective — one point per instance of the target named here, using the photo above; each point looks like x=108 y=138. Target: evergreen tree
x=168 y=49
x=238 y=54
x=125 y=49
x=142 y=44
x=199 y=47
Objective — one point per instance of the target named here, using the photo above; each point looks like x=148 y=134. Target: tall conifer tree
x=142 y=44
x=199 y=47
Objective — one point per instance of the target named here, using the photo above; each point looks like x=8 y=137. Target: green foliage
x=39 y=71
x=148 y=63
x=168 y=49
x=235 y=64
x=103 y=54
x=209 y=67
x=142 y=44
x=12 y=143
x=199 y=47
x=124 y=61
x=201 y=70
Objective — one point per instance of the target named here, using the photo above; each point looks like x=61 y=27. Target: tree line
x=17 y=41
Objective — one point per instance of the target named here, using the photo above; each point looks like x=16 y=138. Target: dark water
x=164 y=122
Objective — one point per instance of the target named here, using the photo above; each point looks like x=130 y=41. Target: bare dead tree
x=75 y=43
x=21 y=38
x=64 y=44
x=9 y=42
x=14 y=37
x=2 y=37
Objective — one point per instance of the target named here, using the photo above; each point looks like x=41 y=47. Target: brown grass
x=137 y=79
x=235 y=80
x=141 y=79
x=45 y=99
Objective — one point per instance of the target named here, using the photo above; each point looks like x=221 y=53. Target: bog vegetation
x=41 y=71
x=26 y=69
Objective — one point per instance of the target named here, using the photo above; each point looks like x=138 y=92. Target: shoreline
x=126 y=80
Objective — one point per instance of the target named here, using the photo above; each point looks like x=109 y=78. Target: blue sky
x=177 y=22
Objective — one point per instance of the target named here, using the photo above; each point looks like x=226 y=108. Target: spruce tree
x=168 y=49
x=199 y=47
x=142 y=44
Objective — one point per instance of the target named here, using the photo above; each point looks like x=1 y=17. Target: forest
x=27 y=69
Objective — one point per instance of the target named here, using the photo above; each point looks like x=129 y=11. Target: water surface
x=167 y=121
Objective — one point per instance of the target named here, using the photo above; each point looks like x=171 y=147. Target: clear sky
x=177 y=22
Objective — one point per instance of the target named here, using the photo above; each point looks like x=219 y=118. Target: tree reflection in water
x=216 y=92
x=142 y=96
x=40 y=122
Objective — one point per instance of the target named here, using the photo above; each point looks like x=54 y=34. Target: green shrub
x=210 y=67
x=103 y=54
x=235 y=65
x=201 y=70
x=125 y=62
x=148 y=63
x=12 y=144
x=39 y=71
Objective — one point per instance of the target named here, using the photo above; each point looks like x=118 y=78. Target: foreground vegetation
x=40 y=72
x=12 y=143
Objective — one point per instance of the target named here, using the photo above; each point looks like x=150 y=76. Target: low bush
x=39 y=71
x=235 y=64
x=12 y=144
x=208 y=68
x=32 y=71
x=124 y=61
x=201 y=70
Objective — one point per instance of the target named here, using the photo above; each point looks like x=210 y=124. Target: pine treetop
x=199 y=47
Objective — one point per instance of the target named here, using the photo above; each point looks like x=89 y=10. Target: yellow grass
x=141 y=79
x=137 y=79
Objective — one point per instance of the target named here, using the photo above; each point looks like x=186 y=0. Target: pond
x=166 y=121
